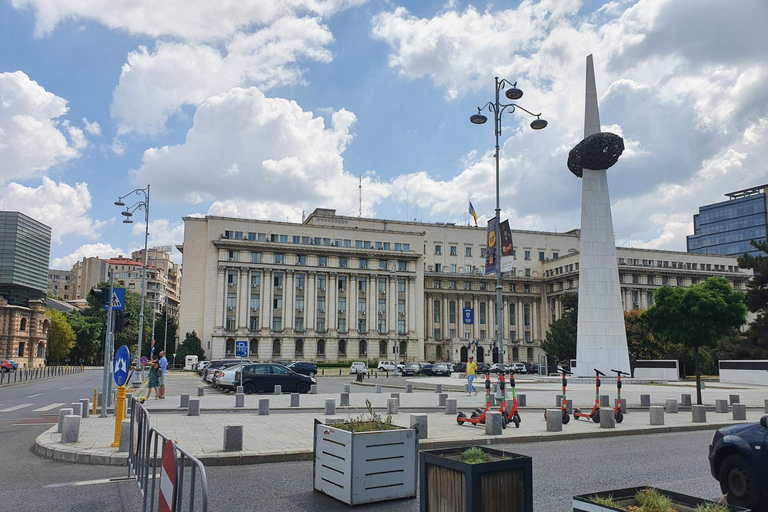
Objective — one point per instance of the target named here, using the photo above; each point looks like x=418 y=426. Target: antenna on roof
x=360 y=186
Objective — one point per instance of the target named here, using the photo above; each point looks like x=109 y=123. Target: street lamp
x=128 y=213
x=497 y=109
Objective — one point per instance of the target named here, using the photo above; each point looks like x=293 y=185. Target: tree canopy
x=191 y=347
x=757 y=301
x=560 y=341
x=61 y=337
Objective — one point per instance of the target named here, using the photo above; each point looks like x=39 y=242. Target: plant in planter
x=647 y=499
x=477 y=479
x=365 y=459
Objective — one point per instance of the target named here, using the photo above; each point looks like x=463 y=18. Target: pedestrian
x=471 y=372
x=163 y=363
x=154 y=370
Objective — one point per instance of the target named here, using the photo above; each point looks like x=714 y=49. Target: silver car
x=226 y=378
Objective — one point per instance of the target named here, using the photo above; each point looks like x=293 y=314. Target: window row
x=320 y=346
x=308 y=240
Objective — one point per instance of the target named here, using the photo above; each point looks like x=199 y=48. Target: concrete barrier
x=409 y=388
x=397 y=396
x=193 y=407
x=86 y=403
x=698 y=414
x=441 y=398
x=278 y=389
x=657 y=414
x=184 y=400
x=125 y=436
x=294 y=399
x=264 y=406
x=569 y=406
x=607 y=420
x=685 y=399
x=765 y=404
x=330 y=406
x=450 y=406
x=233 y=438
x=70 y=430
x=733 y=399
x=554 y=420
x=378 y=388
x=605 y=401
x=670 y=405
x=420 y=423
x=344 y=399
x=721 y=406
x=201 y=391
x=493 y=425
x=521 y=400
x=239 y=389
x=559 y=400
x=740 y=412
x=645 y=400
x=239 y=400
x=392 y=406
x=77 y=409
x=623 y=405
x=347 y=388
x=439 y=388
x=62 y=414
x=313 y=389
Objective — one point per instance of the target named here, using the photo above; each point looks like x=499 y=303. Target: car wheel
x=738 y=482
x=302 y=387
x=249 y=388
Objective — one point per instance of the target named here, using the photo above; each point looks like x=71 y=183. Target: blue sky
x=267 y=108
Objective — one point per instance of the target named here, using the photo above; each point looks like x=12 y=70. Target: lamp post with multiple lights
x=128 y=213
x=497 y=109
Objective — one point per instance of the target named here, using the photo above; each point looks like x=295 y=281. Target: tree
x=61 y=337
x=160 y=334
x=640 y=341
x=696 y=317
x=757 y=300
x=560 y=341
x=89 y=332
x=191 y=347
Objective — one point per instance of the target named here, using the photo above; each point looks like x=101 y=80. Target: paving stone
x=70 y=429
x=645 y=400
x=420 y=423
x=554 y=420
x=392 y=406
x=657 y=414
x=193 y=406
x=344 y=400
x=699 y=414
x=450 y=406
x=233 y=438
x=493 y=425
x=264 y=406
x=62 y=414
x=721 y=406
x=330 y=406
x=740 y=412
x=670 y=405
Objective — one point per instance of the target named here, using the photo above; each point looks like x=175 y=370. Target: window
x=321 y=303
x=454 y=250
x=511 y=314
x=382 y=306
x=342 y=303
x=301 y=259
x=232 y=277
x=467 y=251
x=321 y=280
x=401 y=326
x=255 y=280
x=300 y=281
x=321 y=347
x=320 y=325
x=322 y=261
x=361 y=305
x=342 y=325
x=482 y=313
x=253 y=326
x=541 y=256
x=438 y=267
x=231 y=304
x=453 y=268
x=436 y=311
x=528 y=255
x=279 y=258
x=232 y=256
x=382 y=348
x=254 y=301
x=363 y=263
x=277 y=324
x=277 y=280
x=382 y=328
x=483 y=252
x=382 y=285
x=298 y=324
x=452 y=285
x=401 y=307
x=382 y=264
x=342 y=347
x=436 y=283
x=527 y=272
x=482 y=287
x=527 y=288
x=467 y=285
x=402 y=266
x=650 y=279
x=401 y=285
x=555 y=255
x=527 y=315
x=452 y=313
x=342 y=262
x=361 y=325
x=299 y=303
x=362 y=284
x=438 y=249
x=437 y=335
x=277 y=302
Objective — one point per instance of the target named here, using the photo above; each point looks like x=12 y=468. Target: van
x=190 y=363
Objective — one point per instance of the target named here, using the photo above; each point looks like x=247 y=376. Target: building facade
x=339 y=288
x=61 y=284
x=163 y=279
x=727 y=227
x=88 y=274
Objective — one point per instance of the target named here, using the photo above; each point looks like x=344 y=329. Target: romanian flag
x=472 y=212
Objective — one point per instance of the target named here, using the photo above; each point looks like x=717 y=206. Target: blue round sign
x=122 y=357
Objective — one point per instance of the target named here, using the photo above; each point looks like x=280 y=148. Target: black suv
x=265 y=376
x=304 y=368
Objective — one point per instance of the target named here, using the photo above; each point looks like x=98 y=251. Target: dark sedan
x=483 y=368
x=441 y=369
x=426 y=369
x=304 y=368
x=263 y=377
x=738 y=459
x=412 y=369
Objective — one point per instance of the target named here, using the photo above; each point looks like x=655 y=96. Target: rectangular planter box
x=365 y=467
x=681 y=502
x=502 y=485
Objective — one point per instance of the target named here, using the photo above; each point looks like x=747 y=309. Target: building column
x=411 y=325
x=332 y=305
x=289 y=308
x=352 y=304
x=310 y=310
x=265 y=309
x=221 y=298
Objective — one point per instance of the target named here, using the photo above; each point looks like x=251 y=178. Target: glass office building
x=726 y=228
x=25 y=248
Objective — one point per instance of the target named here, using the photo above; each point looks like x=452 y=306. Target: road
x=562 y=469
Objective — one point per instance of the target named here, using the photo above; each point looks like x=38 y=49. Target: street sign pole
x=241 y=350
x=107 y=338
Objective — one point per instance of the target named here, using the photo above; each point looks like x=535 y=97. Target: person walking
x=154 y=370
x=163 y=363
x=471 y=372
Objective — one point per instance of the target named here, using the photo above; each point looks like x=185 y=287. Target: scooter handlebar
x=564 y=371
x=598 y=372
x=619 y=372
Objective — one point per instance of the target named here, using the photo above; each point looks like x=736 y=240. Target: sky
x=268 y=109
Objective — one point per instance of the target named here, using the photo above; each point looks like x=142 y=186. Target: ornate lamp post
x=498 y=109
x=128 y=213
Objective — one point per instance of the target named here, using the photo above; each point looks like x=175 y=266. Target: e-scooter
x=563 y=408
x=478 y=415
x=511 y=415
x=594 y=414
x=617 y=414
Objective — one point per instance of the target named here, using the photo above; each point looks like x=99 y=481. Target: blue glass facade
x=727 y=228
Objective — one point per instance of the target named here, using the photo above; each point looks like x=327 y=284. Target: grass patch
x=370 y=423
x=474 y=455
x=712 y=507
x=606 y=501
x=651 y=500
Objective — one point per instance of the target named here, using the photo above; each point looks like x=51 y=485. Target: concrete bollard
x=193 y=407
x=392 y=406
x=62 y=414
x=685 y=400
x=77 y=409
x=439 y=388
x=347 y=388
x=493 y=426
x=419 y=422
x=554 y=420
x=344 y=399
x=99 y=400
x=605 y=400
x=466 y=388
x=239 y=400
x=441 y=398
x=765 y=404
x=623 y=405
x=233 y=438
x=184 y=400
x=558 y=400
x=569 y=406
x=86 y=403
x=409 y=388
x=645 y=400
x=521 y=400
x=378 y=388
x=450 y=406
x=239 y=389
x=721 y=406
x=699 y=414
x=330 y=406
x=125 y=435
x=607 y=420
x=734 y=399
x=264 y=407
x=313 y=389
x=670 y=405
x=278 y=389
x=70 y=430
x=740 y=412
x=657 y=414
x=200 y=391
x=294 y=399
x=397 y=396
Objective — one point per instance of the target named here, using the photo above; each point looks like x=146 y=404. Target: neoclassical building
x=336 y=288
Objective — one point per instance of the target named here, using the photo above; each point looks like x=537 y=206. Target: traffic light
x=121 y=320
x=102 y=294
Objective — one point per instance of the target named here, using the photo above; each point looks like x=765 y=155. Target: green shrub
x=652 y=500
x=474 y=455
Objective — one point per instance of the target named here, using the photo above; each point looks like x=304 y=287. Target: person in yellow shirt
x=471 y=372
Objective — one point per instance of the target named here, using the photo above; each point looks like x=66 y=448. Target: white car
x=389 y=366
x=519 y=368
x=358 y=367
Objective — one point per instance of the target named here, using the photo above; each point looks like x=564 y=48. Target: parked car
x=304 y=368
x=8 y=366
x=519 y=368
x=201 y=366
x=460 y=367
x=533 y=368
x=738 y=459
x=426 y=369
x=389 y=366
x=412 y=369
x=441 y=369
x=483 y=367
x=218 y=365
x=225 y=379
x=497 y=367
x=358 y=367
x=261 y=377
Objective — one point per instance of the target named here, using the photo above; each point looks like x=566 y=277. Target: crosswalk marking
x=48 y=407
x=15 y=407
x=33 y=396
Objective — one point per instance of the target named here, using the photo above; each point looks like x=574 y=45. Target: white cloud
x=92 y=128
x=97 y=250
x=30 y=139
x=161 y=232
x=61 y=206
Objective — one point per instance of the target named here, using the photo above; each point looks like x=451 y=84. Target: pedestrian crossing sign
x=118 y=299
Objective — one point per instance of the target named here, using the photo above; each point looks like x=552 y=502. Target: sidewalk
x=286 y=433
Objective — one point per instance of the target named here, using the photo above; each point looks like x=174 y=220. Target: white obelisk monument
x=601 y=340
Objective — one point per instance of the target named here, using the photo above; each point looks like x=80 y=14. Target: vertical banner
x=507 y=260
x=491 y=260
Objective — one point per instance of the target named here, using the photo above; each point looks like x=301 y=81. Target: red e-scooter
x=594 y=414
x=512 y=415
x=563 y=408
x=478 y=415
x=617 y=414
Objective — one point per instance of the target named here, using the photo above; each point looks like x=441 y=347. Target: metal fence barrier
x=24 y=374
x=145 y=460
